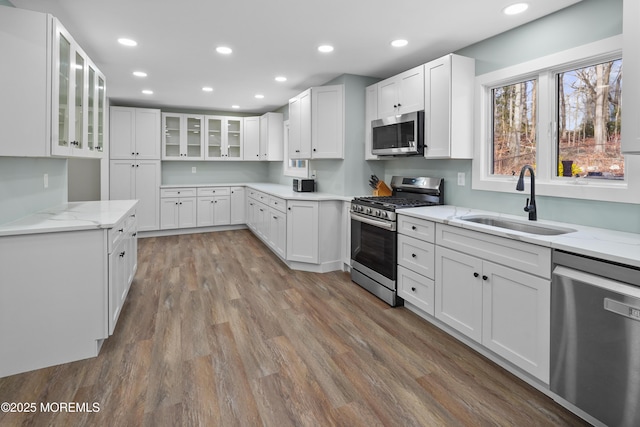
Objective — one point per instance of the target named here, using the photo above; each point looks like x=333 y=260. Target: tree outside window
x=589 y=121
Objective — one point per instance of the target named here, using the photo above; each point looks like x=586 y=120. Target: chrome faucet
x=530 y=207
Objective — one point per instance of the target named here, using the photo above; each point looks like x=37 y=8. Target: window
x=514 y=127
x=588 y=124
x=560 y=114
x=293 y=167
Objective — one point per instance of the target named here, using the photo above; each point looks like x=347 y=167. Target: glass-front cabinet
x=182 y=137
x=78 y=106
x=223 y=138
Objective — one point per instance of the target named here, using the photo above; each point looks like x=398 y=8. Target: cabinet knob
x=289 y=208
x=134 y=234
x=485 y=277
x=275 y=217
x=413 y=289
x=180 y=202
x=133 y=154
x=414 y=228
x=122 y=254
x=395 y=106
x=314 y=150
x=137 y=154
x=475 y=275
x=121 y=230
x=133 y=166
x=137 y=166
x=399 y=105
x=176 y=203
x=413 y=255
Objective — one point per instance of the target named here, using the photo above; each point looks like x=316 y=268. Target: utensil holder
x=382 y=190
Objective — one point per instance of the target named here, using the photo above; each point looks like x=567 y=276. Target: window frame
x=544 y=69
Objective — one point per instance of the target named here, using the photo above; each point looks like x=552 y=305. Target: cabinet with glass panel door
x=78 y=99
x=223 y=138
x=182 y=137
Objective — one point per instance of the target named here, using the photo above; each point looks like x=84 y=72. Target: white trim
x=547 y=184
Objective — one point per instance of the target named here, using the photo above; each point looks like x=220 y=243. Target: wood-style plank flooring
x=216 y=331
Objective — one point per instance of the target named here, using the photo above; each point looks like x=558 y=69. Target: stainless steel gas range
x=373 y=232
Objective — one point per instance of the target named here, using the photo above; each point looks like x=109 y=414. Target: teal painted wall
x=22 y=185
x=580 y=24
x=209 y=172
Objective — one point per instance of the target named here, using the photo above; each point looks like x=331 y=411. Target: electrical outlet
x=313 y=174
x=46 y=180
x=461 y=179
x=193 y=169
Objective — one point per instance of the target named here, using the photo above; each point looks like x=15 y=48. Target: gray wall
x=22 y=185
x=209 y=172
x=83 y=180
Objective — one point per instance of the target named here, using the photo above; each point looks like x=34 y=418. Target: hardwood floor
x=217 y=331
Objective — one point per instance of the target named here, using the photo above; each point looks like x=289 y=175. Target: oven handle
x=388 y=225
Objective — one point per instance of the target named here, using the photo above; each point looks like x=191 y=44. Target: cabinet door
x=222 y=210
x=371 y=113
x=187 y=216
x=205 y=215
x=171 y=136
x=630 y=142
x=234 y=138
x=295 y=129
x=261 y=215
x=169 y=213
x=411 y=90
x=271 y=137
x=193 y=138
x=516 y=318
x=122 y=132
x=122 y=179
x=438 y=108
x=214 y=138
x=251 y=127
x=458 y=292
x=147 y=184
x=278 y=232
x=147 y=134
x=302 y=231
x=387 y=97
x=327 y=122
x=237 y=208
x=117 y=285
x=63 y=111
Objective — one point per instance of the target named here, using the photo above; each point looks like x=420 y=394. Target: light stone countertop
x=611 y=245
x=73 y=216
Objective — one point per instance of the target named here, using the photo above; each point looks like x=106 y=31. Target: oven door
x=374 y=249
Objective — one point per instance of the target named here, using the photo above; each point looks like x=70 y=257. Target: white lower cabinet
x=277 y=236
x=137 y=179
x=504 y=309
x=178 y=208
x=416 y=289
x=214 y=206
x=123 y=263
x=237 y=206
x=302 y=231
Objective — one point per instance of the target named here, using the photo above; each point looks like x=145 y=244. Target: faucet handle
x=526 y=208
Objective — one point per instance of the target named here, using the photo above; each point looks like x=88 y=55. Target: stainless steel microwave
x=401 y=135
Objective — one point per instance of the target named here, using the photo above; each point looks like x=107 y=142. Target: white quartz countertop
x=73 y=216
x=278 y=190
x=611 y=245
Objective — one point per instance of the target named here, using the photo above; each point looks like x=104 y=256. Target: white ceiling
x=177 y=40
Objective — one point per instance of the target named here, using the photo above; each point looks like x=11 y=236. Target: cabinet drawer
x=214 y=191
x=178 y=192
x=416 y=255
x=131 y=222
x=418 y=228
x=115 y=234
x=416 y=289
x=522 y=256
x=278 y=203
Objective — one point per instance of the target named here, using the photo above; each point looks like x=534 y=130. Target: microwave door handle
x=391 y=226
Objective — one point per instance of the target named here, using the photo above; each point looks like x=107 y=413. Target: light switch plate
x=461 y=178
x=193 y=169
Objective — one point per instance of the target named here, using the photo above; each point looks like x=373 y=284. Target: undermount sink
x=515 y=225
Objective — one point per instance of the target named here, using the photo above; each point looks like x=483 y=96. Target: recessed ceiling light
x=140 y=74
x=516 y=8
x=235 y=106
x=259 y=96
x=281 y=79
x=147 y=92
x=127 y=42
x=399 y=43
x=207 y=89
x=224 y=50
x=325 y=48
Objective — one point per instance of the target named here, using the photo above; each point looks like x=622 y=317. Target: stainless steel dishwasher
x=595 y=337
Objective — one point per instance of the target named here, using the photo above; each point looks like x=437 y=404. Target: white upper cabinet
x=448 y=107
x=78 y=100
x=251 y=138
x=53 y=96
x=403 y=93
x=631 y=102
x=271 y=137
x=182 y=137
x=316 y=123
x=134 y=133
x=223 y=138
